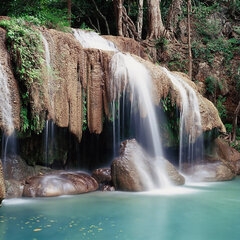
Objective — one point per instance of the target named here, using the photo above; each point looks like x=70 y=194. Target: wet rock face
x=102 y=175
x=2 y=184
x=61 y=183
x=14 y=188
x=211 y=172
x=127 y=176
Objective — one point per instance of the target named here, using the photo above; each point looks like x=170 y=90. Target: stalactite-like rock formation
x=77 y=88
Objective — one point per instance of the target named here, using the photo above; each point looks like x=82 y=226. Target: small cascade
x=5 y=103
x=191 y=140
x=49 y=125
x=9 y=147
x=90 y=39
x=49 y=71
x=131 y=81
x=48 y=140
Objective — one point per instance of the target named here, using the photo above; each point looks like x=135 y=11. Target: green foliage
x=161 y=43
x=211 y=84
x=207 y=52
x=84 y=121
x=221 y=108
x=170 y=128
x=48 y=13
x=25 y=47
x=178 y=63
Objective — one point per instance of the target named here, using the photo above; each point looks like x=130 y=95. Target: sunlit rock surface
x=60 y=183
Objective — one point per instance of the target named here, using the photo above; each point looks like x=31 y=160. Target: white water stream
x=190 y=122
x=5 y=103
x=49 y=126
x=125 y=70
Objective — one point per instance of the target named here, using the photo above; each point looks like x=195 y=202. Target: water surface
x=197 y=212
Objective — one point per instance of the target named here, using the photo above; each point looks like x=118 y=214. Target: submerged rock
x=127 y=169
x=60 y=183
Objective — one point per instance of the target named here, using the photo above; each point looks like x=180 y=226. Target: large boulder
x=211 y=172
x=2 y=184
x=134 y=169
x=222 y=152
x=60 y=183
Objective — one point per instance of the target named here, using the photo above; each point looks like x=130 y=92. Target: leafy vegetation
x=25 y=46
x=170 y=128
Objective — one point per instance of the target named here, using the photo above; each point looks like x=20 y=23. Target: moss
x=26 y=50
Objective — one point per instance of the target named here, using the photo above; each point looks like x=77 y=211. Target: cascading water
x=191 y=141
x=5 y=103
x=90 y=39
x=49 y=126
x=8 y=142
x=127 y=71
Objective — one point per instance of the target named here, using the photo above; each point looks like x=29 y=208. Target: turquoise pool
x=196 y=212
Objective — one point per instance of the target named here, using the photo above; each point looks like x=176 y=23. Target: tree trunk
x=102 y=16
x=189 y=41
x=118 y=5
x=140 y=19
x=234 y=125
x=155 y=24
x=174 y=13
x=69 y=11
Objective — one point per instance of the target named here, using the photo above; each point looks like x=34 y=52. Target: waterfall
x=90 y=39
x=5 y=103
x=127 y=73
x=49 y=71
x=49 y=125
x=191 y=141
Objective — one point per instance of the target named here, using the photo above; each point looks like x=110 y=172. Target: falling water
x=191 y=141
x=126 y=72
x=8 y=142
x=5 y=103
x=90 y=39
x=49 y=126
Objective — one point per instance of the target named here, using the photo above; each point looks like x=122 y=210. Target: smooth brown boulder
x=102 y=175
x=61 y=183
x=129 y=170
x=211 y=172
x=2 y=184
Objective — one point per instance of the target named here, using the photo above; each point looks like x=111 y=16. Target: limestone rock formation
x=12 y=86
x=60 y=183
x=78 y=89
x=127 y=174
x=2 y=184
